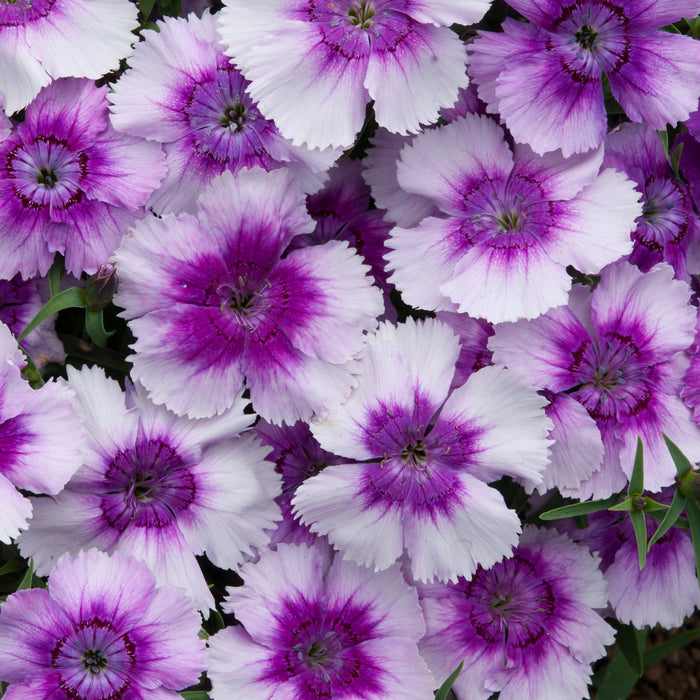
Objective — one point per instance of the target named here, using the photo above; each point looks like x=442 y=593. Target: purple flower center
x=147 y=485
x=665 y=215
x=242 y=299
x=94 y=661
x=590 y=37
x=18 y=12
x=46 y=173
x=511 y=603
x=226 y=125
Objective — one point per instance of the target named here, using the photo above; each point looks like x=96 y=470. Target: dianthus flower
x=619 y=352
x=419 y=459
x=213 y=303
x=69 y=183
x=158 y=486
x=45 y=39
x=314 y=65
x=665 y=590
x=102 y=631
x=510 y=222
x=312 y=631
x=668 y=229
x=525 y=628
x=199 y=109
x=545 y=77
x=39 y=438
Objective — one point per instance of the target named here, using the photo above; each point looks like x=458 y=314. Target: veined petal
x=411 y=77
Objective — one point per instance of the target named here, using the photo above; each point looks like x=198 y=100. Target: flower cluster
x=351 y=295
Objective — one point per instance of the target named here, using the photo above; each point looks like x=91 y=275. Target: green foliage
x=445 y=688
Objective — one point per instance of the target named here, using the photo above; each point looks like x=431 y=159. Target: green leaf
x=639 y=523
x=218 y=619
x=195 y=694
x=12 y=567
x=663 y=135
x=447 y=685
x=26 y=581
x=627 y=504
x=554 y=500
x=581 y=508
x=94 y=325
x=146 y=7
x=56 y=272
x=672 y=515
x=650 y=505
x=630 y=642
x=683 y=465
x=637 y=478
x=660 y=651
x=69 y=299
x=617 y=679
x=676 y=160
x=692 y=510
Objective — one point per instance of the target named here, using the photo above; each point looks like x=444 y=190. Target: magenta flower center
x=94 y=661
x=242 y=299
x=512 y=603
x=226 y=125
x=47 y=173
x=147 y=485
x=18 y=12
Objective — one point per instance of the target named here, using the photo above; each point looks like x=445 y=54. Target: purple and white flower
x=200 y=110
x=40 y=442
x=102 y=631
x=509 y=222
x=665 y=591
x=69 y=183
x=314 y=65
x=525 y=628
x=545 y=77
x=668 y=229
x=160 y=487
x=619 y=352
x=41 y=40
x=213 y=303
x=419 y=459
x=312 y=631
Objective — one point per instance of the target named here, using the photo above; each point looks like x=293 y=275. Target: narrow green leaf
x=553 y=501
x=639 y=523
x=663 y=135
x=650 y=505
x=630 y=642
x=672 y=515
x=94 y=325
x=581 y=508
x=692 y=510
x=69 y=299
x=12 y=567
x=676 y=160
x=637 y=478
x=617 y=679
x=195 y=694
x=26 y=581
x=218 y=618
x=627 y=504
x=447 y=685
x=662 y=650
x=56 y=272
x=683 y=465
x=146 y=7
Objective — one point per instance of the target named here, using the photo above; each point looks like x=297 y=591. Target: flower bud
x=690 y=485
x=101 y=287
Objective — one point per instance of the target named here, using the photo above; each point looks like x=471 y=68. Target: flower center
x=361 y=13
x=94 y=660
x=415 y=454
x=234 y=117
x=510 y=221
x=48 y=176
x=587 y=38
x=143 y=487
x=243 y=299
